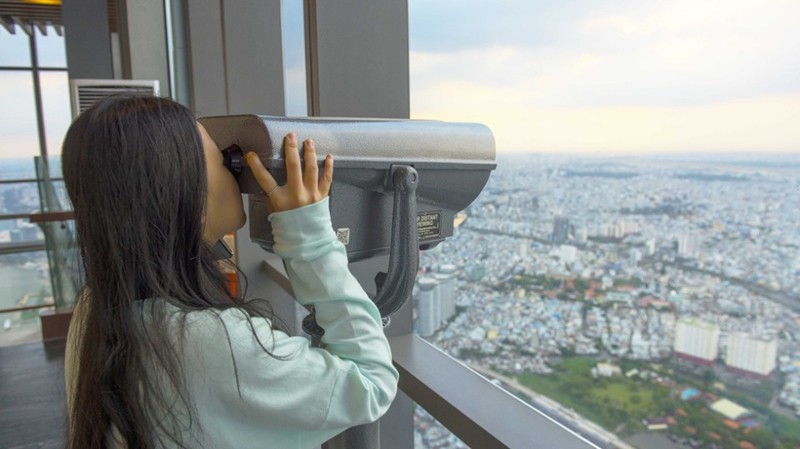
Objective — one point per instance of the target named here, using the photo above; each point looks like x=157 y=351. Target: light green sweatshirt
x=315 y=393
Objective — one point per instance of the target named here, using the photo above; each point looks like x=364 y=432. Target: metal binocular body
x=396 y=187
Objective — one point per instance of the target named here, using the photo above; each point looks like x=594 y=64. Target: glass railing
x=60 y=239
x=39 y=267
x=26 y=289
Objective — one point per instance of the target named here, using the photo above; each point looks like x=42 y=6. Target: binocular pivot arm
x=394 y=287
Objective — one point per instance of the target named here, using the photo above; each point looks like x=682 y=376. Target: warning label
x=429 y=225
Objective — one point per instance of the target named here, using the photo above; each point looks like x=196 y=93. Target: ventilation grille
x=84 y=92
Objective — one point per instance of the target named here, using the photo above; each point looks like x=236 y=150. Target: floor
x=32 y=407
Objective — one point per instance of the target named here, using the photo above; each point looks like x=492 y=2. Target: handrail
x=474 y=409
x=24 y=308
x=15 y=216
x=25 y=180
x=22 y=247
x=49 y=217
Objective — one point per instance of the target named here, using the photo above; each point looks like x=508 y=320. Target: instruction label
x=429 y=225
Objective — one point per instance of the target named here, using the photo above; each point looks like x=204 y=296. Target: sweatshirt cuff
x=300 y=228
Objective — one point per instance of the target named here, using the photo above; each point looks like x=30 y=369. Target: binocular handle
x=395 y=286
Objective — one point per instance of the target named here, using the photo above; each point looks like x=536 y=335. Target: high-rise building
x=650 y=245
x=582 y=235
x=615 y=231
x=751 y=355
x=689 y=245
x=561 y=229
x=620 y=229
x=696 y=341
x=428 y=306
x=447 y=290
x=567 y=253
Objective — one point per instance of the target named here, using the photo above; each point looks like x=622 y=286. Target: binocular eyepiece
x=233 y=159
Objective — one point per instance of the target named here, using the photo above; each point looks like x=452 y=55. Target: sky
x=622 y=76
x=568 y=76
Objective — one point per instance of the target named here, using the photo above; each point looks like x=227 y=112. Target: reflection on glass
x=50 y=49
x=19 y=141
x=56 y=109
x=14 y=49
x=25 y=283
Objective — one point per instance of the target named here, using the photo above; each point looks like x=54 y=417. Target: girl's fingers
x=263 y=177
x=294 y=175
x=327 y=176
x=311 y=172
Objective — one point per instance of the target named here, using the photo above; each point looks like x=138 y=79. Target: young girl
x=160 y=354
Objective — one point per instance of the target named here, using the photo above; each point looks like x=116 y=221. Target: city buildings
x=427 y=306
x=696 y=340
x=561 y=230
x=751 y=355
x=435 y=301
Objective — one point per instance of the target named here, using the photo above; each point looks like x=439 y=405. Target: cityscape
x=647 y=302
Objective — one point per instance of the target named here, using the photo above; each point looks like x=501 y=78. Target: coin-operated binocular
x=396 y=187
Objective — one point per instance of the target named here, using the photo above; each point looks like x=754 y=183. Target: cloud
x=659 y=68
x=681 y=54
x=445 y=26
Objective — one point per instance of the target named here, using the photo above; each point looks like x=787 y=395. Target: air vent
x=86 y=92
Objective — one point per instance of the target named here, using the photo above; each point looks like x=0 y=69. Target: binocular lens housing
x=233 y=159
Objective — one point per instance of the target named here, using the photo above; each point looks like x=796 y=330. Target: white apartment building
x=696 y=340
x=752 y=354
x=428 y=306
x=447 y=290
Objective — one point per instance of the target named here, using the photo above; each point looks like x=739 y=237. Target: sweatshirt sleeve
x=316 y=263
x=307 y=395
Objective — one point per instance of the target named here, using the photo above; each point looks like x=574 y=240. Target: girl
x=160 y=354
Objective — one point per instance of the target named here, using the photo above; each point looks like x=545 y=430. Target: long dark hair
x=134 y=168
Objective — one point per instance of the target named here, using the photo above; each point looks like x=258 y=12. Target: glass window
x=17 y=168
x=26 y=282
x=634 y=255
x=19 y=141
x=50 y=49
x=15 y=49
x=294 y=59
x=19 y=198
x=56 y=109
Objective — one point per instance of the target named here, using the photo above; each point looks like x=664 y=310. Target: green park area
x=616 y=403
x=620 y=404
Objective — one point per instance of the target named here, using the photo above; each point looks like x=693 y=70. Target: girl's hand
x=301 y=189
